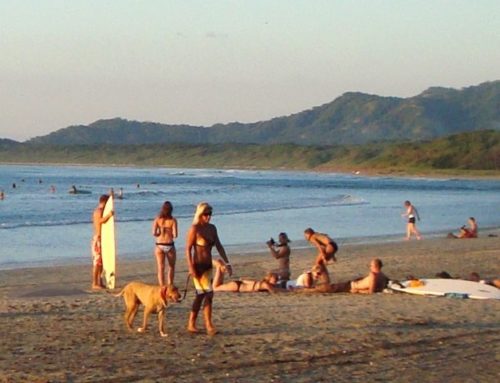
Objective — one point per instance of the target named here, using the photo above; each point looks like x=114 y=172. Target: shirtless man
x=165 y=231
x=282 y=253
x=327 y=247
x=98 y=220
x=374 y=282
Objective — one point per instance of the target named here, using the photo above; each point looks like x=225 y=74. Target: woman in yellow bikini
x=201 y=238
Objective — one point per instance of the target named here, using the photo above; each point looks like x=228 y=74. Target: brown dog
x=154 y=299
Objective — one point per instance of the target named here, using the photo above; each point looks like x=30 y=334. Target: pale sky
x=68 y=62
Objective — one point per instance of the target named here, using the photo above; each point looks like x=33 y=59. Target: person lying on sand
x=374 y=282
x=242 y=285
x=319 y=282
x=304 y=280
x=467 y=232
x=474 y=277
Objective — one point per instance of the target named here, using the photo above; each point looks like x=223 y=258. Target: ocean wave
x=129 y=217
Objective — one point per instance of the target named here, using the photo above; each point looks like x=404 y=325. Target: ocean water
x=41 y=227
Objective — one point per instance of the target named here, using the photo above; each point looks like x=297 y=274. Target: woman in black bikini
x=242 y=285
x=201 y=238
x=165 y=231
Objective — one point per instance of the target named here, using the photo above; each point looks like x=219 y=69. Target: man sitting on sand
x=467 y=232
x=374 y=282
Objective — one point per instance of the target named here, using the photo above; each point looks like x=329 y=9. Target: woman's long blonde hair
x=201 y=208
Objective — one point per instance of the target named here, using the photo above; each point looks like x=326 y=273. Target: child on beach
x=411 y=226
x=98 y=220
x=165 y=231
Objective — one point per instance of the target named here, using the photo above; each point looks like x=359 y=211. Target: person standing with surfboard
x=98 y=219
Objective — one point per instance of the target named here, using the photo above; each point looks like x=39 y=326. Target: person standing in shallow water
x=411 y=226
x=201 y=238
x=98 y=220
x=165 y=231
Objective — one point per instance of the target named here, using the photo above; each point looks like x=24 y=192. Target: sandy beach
x=54 y=329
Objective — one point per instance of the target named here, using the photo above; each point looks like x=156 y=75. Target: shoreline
x=246 y=249
x=54 y=328
x=354 y=170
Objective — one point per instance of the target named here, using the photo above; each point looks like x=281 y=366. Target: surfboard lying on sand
x=108 y=246
x=452 y=287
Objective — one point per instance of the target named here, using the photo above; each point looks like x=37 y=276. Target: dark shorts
x=335 y=246
x=411 y=220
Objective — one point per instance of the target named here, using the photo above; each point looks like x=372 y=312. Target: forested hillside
x=353 y=118
x=463 y=152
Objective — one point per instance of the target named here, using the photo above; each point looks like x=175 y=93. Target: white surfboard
x=441 y=287
x=108 y=246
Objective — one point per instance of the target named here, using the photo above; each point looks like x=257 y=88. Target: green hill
x=465 y=152
x=353 y=118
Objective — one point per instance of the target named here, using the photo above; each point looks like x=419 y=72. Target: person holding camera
x=281 y=251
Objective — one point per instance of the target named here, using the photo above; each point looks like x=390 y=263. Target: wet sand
x=54 y=329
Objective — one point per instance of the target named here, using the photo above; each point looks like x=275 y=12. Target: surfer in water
x=201 y=238
x=411 y=226
x=98 y=220
x=165 y=232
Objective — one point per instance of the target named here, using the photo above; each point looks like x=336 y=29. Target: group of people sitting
x=317 y=279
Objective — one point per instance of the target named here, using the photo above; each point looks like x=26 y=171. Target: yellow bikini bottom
x=203 y=284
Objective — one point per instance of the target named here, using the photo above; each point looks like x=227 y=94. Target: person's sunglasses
x=207 y=213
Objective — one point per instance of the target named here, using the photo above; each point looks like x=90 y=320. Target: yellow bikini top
x=203 y=242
